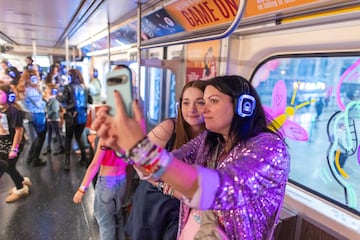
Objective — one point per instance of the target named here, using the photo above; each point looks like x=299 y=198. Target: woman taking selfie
x=233 y=175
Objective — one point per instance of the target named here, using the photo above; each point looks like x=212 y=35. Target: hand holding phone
x=121 y=81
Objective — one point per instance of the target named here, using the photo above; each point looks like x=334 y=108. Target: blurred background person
x=31 y=99
x=11 y=72
x=53 y=119
x=11 y=143
x=109 y=191
x=75 y=99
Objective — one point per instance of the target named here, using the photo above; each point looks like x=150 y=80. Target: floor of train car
x=48 y=212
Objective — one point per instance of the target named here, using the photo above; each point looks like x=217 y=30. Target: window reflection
x=315 y=103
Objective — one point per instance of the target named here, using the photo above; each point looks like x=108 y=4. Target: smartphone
x=120 y=80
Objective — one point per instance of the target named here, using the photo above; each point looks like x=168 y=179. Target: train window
x=315 y=100
x=154 y=94
x=172 y=97
x=161 y=85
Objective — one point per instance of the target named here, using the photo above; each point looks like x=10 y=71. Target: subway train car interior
x=301 y=56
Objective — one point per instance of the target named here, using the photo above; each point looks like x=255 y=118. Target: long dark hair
x=242 y=128
x=182 y=128
x=76 y=76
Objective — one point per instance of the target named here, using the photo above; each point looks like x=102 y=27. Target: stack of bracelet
x=152 y=158
x=165 y=188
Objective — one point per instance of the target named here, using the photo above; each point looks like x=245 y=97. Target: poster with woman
x=202 y=60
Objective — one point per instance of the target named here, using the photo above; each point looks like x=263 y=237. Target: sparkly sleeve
x=257 y=172
x=189 y=151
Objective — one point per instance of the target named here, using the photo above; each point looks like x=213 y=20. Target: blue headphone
x=10 y=95
x=12 y=74
x=34 y=79
x=95 y=74
x=246 y=103
x=54 y=91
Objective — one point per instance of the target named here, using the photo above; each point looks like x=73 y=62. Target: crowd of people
x=216 y=171
x=33 y=108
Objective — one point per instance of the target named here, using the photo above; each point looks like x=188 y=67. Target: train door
x=159 y=85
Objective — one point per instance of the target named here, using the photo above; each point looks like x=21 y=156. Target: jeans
x=109 y=193
x=54 y=125
x=37 y=143
x=29 y=129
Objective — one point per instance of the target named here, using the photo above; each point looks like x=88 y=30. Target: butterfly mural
x=279 y=113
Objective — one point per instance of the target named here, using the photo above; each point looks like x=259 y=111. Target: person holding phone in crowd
x=233 y=175
x=155 y=211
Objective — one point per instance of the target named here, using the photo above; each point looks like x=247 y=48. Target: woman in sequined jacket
x=236 y=170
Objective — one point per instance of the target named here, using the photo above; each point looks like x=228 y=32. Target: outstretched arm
x=90 y=173
x=122 y=132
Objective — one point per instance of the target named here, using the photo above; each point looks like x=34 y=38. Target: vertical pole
x=108 y=37
x=138 y=48
x=67 y=53
x=108 y=44
x=34 y=51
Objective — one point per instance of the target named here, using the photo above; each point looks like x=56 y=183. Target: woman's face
x=218 y=111
x=191 y=106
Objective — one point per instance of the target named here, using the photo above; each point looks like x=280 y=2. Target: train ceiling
x=46 y=24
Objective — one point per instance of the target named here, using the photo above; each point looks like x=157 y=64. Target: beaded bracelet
x=160 y=186
x=168 y=190
x=151 y=157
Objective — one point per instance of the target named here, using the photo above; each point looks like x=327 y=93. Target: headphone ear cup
x=177 y=108
x=245 y=105
x=11 y=97
x=54 y=91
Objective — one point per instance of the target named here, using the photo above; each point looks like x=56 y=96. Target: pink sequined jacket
x=253 y=177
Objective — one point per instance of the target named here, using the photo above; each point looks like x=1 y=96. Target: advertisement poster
x=202 y=60
x=125 y=35
x=197 y=14
x=254 y=8
x=159 y=24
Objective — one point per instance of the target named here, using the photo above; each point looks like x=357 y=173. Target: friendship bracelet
x=150 y=157
x=82 y=189
x=168 y=190
x=140 y=150
x=139 y=144
x=83 y=192
x=160 y=186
